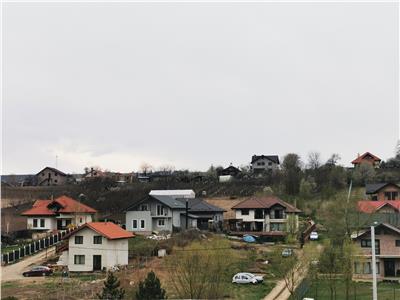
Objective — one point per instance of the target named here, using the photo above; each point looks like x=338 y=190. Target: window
x=35 y=223
x=41 y=222
x=134 y=224
x=161 y=222
x=277 y=227
x=365 y=268
x=79 y=259
x=55 y=174
x=80 y=220
x=142 y=224
x=245 y=212
x=55 y=180
x=270 y=164
x=143 y=207
x=277 y=214
x=366 y=243
x=160 y=210
x=78 y=239
x=397 y=243
x=97 y=239
x=391 y=195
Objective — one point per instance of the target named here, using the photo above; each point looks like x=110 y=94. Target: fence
x=33 y=247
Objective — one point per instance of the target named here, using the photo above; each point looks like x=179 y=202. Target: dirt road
x=14 y=271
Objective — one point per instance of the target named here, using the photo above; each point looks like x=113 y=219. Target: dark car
x=38 y=271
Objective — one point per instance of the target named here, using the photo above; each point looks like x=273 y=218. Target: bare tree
x=146 y=168
x=314 y=160
x=167 y=168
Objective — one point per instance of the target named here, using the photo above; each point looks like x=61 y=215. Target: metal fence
x=33 y=247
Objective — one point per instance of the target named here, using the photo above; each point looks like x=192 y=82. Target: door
x=389 y=268
x=96 y=262
x=59 y=224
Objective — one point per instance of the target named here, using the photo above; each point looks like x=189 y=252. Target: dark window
x=397 y=243
x=55 y=180
x=367 y=244
x=391 y=195
x=78 y=239
x=374 y=197
x=79 y=259
x=259 y=213
x=98 y=239
x=142 y=224
x=245 y=212
x=143 y=207
x=55 y=174
x=41 y=222
x=34 y=222
x=134 y=224
x=80 y=220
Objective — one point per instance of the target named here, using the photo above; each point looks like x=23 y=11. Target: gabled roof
x=64 y=204
x=356 y=235
x=359 y=159
x=109 y=230
x=169 y=201
x=52 y=169
x=372 y=188
x=371 y=206
x=273 y=158
x=265 y=202
x=199 y=205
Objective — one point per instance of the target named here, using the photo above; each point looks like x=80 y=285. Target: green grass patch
x=251 y=291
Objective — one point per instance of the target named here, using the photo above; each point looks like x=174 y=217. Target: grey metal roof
x=372 y=188
x=273 y=158
x=169 y=201
x=199 y=205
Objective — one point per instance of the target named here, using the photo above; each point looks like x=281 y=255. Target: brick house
x=387 y=243
x=382 y=191
x=367 y=158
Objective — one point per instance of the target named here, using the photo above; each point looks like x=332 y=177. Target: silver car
x=247 y=278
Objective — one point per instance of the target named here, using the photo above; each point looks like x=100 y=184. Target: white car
x=314 y=236
x=247 y=278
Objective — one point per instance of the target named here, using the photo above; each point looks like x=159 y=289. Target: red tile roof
x=368 y=206
x=66 y=205
x=360 y=159
x=109 y=230
x=265 y=202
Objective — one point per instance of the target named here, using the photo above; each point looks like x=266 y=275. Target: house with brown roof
x=262 y=163
x=382 y=191
x=367 y=158
x=268 y=215
x=96 y=246
x=57 y=214
x=387 y=250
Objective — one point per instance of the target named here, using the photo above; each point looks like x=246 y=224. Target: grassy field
x=358 y=291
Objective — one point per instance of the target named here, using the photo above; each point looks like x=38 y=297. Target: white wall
x=245 y=218
x=49 y=223
x=138 y=215
x=113 y=252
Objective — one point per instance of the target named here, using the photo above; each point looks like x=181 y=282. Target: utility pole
x=374 y=285
x=187 y=211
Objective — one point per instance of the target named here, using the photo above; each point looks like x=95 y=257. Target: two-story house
x=367 y=158
x=95 y=246
x=262 y=163
x=387 y=250
x=57 y=214
x=265 y=215
x=382 y=191
x=51 y=176
x=168 y=210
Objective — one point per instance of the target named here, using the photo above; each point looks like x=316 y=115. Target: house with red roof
x=96 y=246
x=57 y=214
x=268 y=216
x=367 y=158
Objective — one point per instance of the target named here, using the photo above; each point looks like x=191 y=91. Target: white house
x=95 y=246
x=262 y=163
x=57 y=214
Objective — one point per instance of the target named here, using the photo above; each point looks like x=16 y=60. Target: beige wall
x=55 y=178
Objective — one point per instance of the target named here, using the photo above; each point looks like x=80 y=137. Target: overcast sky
x=194 y=84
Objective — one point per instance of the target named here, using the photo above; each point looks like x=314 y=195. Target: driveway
x=14 y=271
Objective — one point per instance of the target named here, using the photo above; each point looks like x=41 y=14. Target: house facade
x=387 y=250
x=381 y=211
x=267 y=215
x=57 y=214
x=96 y=246
x=382 y=191
x=51 y=176
x=166 y=211
x=262 y=163
x=367 y=158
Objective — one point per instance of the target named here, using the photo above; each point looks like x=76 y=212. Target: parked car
x=38 y=271
x=314 y=236
x=287 y=252
x=247 y=278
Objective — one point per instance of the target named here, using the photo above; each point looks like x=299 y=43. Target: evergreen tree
x=150 y=288
x=111 y=290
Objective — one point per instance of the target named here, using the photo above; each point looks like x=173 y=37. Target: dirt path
x=14 y=271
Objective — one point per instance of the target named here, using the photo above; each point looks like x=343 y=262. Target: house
x=170 y=210
x=261 y=163
x=51 y=176
x=381 y=211
x=231 y=171
x=367 y=158
x=387 y=249
x=382 y=191
x=57 y=214
x=96 y=246
x=267 y=215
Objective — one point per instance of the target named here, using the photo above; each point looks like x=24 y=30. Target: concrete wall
x=49 y=223
x=55 y=178
x=138 y=215
x=264 y=164
x=113 y=252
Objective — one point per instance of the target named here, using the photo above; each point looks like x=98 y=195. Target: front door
x=389 y=268
x=96 y=262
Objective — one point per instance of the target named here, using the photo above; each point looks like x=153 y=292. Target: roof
x=371 y=206
x=372 y=188
x=169 y=201
x=109 y=230
x=265 y=202
x=64 y=204
x=199 y=205
x=173 y=193
x=356 y=235
x=52 y=169
x=360 y=158
x=273 y=158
